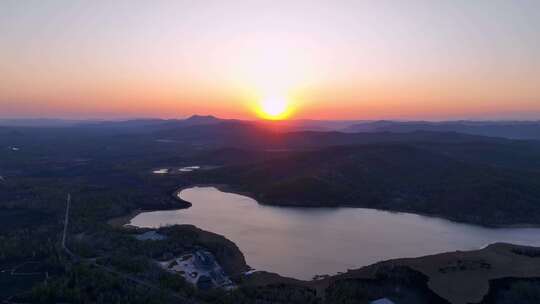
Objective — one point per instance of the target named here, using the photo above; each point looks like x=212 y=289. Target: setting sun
x=274 y=108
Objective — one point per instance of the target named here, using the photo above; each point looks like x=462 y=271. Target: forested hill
x=433 y=179
x=507 y=129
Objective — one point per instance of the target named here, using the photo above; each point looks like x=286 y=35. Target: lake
x=303 y=242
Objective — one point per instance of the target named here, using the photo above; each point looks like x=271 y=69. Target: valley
x=349 y=178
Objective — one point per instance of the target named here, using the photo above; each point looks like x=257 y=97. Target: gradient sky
x=410 y=59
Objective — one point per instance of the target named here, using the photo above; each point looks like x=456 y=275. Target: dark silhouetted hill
x=507 y=129
x=401 y=177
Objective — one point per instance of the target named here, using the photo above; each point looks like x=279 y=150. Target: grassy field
x=460 y=277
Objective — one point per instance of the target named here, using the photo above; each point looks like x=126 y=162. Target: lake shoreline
x=231 y=189
x=123 y=221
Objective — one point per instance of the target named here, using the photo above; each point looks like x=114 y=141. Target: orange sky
x=330 y=59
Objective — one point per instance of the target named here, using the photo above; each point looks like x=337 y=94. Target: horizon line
x=120 y=119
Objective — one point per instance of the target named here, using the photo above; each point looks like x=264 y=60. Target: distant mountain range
x=301 y=124
x=505 y=129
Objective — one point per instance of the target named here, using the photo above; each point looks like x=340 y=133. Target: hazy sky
x=409 y=59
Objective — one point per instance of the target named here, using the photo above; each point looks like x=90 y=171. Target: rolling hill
x=396 y=176
x=506 y=129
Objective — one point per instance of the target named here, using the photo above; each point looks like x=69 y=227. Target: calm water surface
x=303 y=242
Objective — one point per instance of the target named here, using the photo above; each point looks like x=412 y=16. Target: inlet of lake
x=304 y=242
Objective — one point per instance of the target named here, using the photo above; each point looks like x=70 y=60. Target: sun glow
x=274 y=108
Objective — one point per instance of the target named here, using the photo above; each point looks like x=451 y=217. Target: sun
x=274 y=108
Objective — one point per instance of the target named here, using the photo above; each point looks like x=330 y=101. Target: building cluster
x=201 y=269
